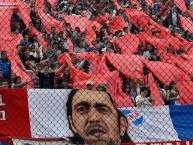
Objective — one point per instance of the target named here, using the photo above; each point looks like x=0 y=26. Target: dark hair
x=2 y=52
x=77 y=138
x=16 y=78
x=171 y=84
x=144 y=88
x=59 y=81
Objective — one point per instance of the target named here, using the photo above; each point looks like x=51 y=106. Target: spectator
x=172 y=96
x=60 y=84
x=174 y=18
x=1 y=77
x=128 y=93
x=25 y=40
x=5 y=84
x=11 y=82
x=101 y=87
x=5 y=65
x=142 y=100
x=27 y=58
x=18 y=83
x=89 y=85
x=46 y=77
x=66 y=75
x=162 y=92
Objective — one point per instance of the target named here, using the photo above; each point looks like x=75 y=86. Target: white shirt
x=140 y=98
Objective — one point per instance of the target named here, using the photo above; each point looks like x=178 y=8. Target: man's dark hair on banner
x=94 y=119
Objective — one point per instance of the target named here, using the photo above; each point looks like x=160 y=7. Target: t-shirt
x=5 y=67
x=141 y=98
x=46 y=80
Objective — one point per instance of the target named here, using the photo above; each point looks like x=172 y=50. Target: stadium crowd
x=43 y=65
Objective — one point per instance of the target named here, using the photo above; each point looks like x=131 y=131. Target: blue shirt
x=5 y=67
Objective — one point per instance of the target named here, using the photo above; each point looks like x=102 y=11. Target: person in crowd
x=101 y=87
x=172 y=96
x=162 y=92
x=5 y=84
x=5 y=65
x=142 y=99
x=89 y=85
x=46 y=76
x=25 y=40
x=60 y=84
x=18 y=83
x=1 y=77
x=93 y=118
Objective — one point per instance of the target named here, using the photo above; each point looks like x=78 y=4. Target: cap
x=100 y=86
x=89 y=83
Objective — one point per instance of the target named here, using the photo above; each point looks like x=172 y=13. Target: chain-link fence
x=96 y=71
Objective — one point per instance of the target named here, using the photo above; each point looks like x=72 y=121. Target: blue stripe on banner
x=3 y=143
x=182 y=118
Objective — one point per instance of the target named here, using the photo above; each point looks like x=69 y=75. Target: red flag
x=149 y=2
x=127 y=64
x=117 y=23
x=181 y=5
x=128 y=44
x=25 y=10
x=16 y=122
x=171 y=58
x=102 y=18
x=40 y=38
x=154 y=91
x=186 y=24
x=10 y=46
x=5 y=19
x=167 y=73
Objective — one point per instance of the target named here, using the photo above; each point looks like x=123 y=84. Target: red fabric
x=160 y=44
x=70 y=45
x=138 y=18
x=115 y=3
x=186 y=24
x=41 y=40
x=49 y=21
x=154 y=91
x=17 y=123
x=122 y=100
x=10 y=46
x=135 y=2
x=5 y=18
x=127 y=64
x=171 y=58
x=191 y=12
x=149 y=2
x=167 y=73
x=181 y=5
x=128 y=44
x=85 y=25
x=101 y=19
x=186 y=66
x=53 y=2
x=24 y=10
x=117 y=23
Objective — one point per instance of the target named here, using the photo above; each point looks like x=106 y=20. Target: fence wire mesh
x=96 y=72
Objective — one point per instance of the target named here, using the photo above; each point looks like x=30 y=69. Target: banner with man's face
x=87 y=116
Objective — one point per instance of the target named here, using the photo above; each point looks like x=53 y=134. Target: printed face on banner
x=95 y=118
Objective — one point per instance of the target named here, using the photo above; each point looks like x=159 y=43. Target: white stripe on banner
x=47 y=110
x=151 y=124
